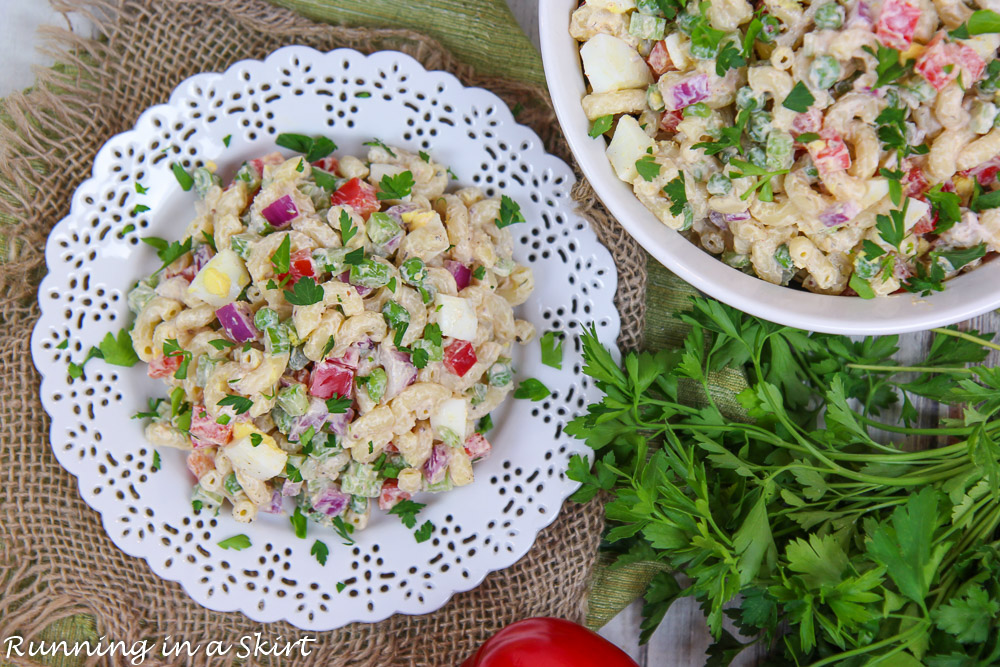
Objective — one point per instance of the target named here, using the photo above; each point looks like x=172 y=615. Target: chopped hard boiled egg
x=628 y=145
x=451 y=415
x=876 y=189
x=915 y=210
x=611 y=64
x=456 y=317
x=616 y=6
x=221 y=280
x=264 y=461
x=378 y=170
x=417 y=219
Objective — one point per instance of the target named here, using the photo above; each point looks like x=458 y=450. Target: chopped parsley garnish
x=226 y=139
x=347 y=228
x=981 y=202
x=396 y=187
x=167 y=252
x=892 y=227
x=63 y=345
x=424 y=155
x=301 y=166
x=892 y=133
x=552 y=350
x=601 y=125
x=320 y=550
x=156 y=461
x=182 y=176
x=256 y=439
x=355 y=257
x=209 y=240
x=237 y=542
x=425 y=531
x=485 y=424
x=510 y=213
x=888 y=67
x=305 y=292
x=298 y=520
x=292 y=473
x=676 y=194
x=338 y=405
x=221 y=343
x=895 y=178
x=363 y=94
x=763 y=183
x=980 y=22
x=407 y=511
x=141 y=189
x=116 y=351
x=324 y=179
x=281 y=260
x=171 y=348
x=861 y=286
x=378 y=143
x=343 y=529
x=139 y=208
x=314 y=148
x=479 y=272
x=729 y=137
x=532 y=389
x=240 y=404
x=648 y=167
x=799 y=98
x=806 y=137
x=932 y=279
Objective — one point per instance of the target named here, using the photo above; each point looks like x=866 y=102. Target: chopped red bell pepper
x=161 y=367
x=301 y=264
x=670 y=120
x=810 y=121
x=897 y=23
x=358 y=195
x=330 y=378
x=914 y=183
x=659 y=59
x=200 y=461
x=552 y=642
x=329 y=163
x=391 y=495
x=942 y=62
x=477 y=447
x=459 y=357
x=205 y=431
x=832 y=155
x=926 y=224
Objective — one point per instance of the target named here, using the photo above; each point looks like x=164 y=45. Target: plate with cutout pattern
x=94 y=256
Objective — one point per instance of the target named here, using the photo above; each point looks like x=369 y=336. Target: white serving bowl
x=966 y=296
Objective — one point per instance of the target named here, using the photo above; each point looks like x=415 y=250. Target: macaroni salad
x=334 y=331
x=850 y=147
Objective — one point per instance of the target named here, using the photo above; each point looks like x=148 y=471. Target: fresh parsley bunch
x=802 y=502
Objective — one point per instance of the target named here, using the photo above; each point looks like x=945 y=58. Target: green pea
x=829 y=16
x=747 y=99
x=719 y=185
x=824 y=72
x=759 y=126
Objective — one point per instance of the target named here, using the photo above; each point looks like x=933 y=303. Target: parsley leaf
x=167 y=252
x=396 y=187
x=305 y=292
x=968 y=617
x=139 y=208
x=947 y=205
x=960 y=257
x=424 y=156
x=221 y=343
x=240 y=403
x=799 y=98
x=156 y=461
x=510 y=213
x=139 y=188
x=237 y=542
x=320 y=551
x=729 y=57
x=338 y=405
x=552 y=351
x=379 y=144
x=895 y=178
x=281 y=260
x=676 y=194
x=226 y=139
x=425 y=531
x=861 y=286
x=347 y=228
x=256 y=439
x=407 y=511
x=892 y=228
x=981 y=202
x=600 y=125
x=343 y=529
x=648 y=167
x=729 y=137
x=182 y=176
x=118 y=351
x=888 y=68
x=172 y=349
x=764 y=182
x=356 y=257
x=314 y=148
x=299 y=521
x=532 y=389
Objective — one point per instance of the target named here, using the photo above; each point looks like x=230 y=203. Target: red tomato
x=810 y=121
x=914 y=183
x=200 y=461
x=459 y=357
x=205 y=431
x=670 y=120
x=391 y=495
x=161 y=367
x=477 y=447
x=358 y=195
x=897 y=23
x=659 y=59
x=933 y=62
x=330 y=379
x=552 y=642
x=273 y=159
x=329 y=163
x=986 y=172
x=925 y=225
x=302 y=263
x=971 y=63
x=833 y=155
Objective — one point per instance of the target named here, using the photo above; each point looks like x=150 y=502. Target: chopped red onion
x=291 y=489
x=330 y=501
x=396 y=212
x=362 y=291
x=461 y=273
x=717 y=219
x=281 y=211
x=838 y=214
x=201 y=255
x=687 y=92
x=437 y=464
x=399 y=372
x=274 y=507
x=236 y=319
x=739 y=216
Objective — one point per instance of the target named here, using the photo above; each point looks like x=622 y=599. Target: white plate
x=483 y=527
x=970 y=294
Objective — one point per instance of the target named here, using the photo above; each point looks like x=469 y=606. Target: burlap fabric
x=55 y=560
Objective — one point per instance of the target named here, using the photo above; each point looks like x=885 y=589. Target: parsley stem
x=918 y=627
x=915 y=431
x=967 y=336
x=909 y=369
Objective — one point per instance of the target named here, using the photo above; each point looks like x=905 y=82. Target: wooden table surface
x=682 y=638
